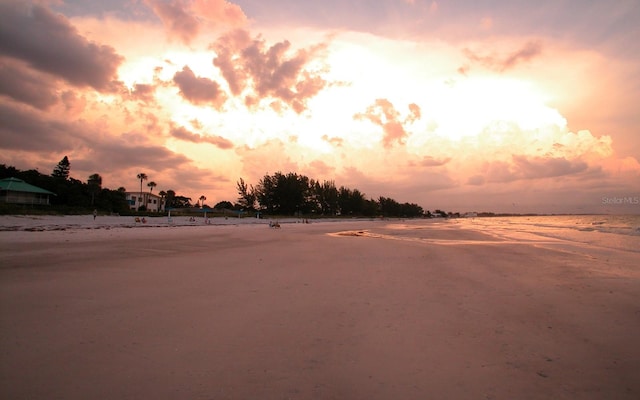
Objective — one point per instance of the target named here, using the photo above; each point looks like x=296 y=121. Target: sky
x=461 y=105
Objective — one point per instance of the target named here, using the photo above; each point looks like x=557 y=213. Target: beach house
x=17 y=191
x=154 y=203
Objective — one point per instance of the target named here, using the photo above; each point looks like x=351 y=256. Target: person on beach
x=95 y=214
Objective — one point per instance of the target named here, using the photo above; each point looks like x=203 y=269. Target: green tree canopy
x=292 y=193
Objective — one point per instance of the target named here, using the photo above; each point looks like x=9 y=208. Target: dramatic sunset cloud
x=50 y=43
x=462 y=106
x=183 y=134
x=198 y=90
x=176 y=19
x=248 y=64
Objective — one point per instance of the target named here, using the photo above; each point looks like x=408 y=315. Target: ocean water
x=578 y=232
x=608 y=231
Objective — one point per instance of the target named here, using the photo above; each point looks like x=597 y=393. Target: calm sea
x=612 y=231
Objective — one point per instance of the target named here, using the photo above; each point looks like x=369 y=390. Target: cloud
x=73 y=104
x=384 y=114
x=526 y=168
x=414 y=113
x=117 y=154
x=26 y=86
x=49 y=43
x=45 y=135
x=334 y=141
x=411 y=188
x=226 y=49
x=100 y=151
x=320 y=168
x=195 y=181
x=526 y=53
x=274 y=72
x=270 y=157
x=476 y=180
x=143 y=92
x=538 y=167
x=199 y=90
x=185 y=19
x=498 y=171
x=220 y=11
x=429 y=161
x=176 y=18
x=184 y=134
x=464 y=69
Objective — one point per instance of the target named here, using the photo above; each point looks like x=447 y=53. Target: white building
x=137 y=199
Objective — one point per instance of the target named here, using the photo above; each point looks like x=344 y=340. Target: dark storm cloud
x=199 y=90
x=49 y=43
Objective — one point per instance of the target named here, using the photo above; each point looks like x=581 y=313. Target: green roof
x=18 y=185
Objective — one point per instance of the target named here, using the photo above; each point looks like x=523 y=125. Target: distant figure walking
x=95 y=214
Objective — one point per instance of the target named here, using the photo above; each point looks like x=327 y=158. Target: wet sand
x=247 y=312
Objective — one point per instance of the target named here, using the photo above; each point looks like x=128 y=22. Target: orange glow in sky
x=453 y=106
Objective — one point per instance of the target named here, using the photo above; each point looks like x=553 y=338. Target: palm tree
x=143 y=177
x=151 y=185
x=162 y=194
x=202 y=199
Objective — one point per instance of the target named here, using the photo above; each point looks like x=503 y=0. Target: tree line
x=74 y=194
x=70 y=192
x=276 y=194
x=294 y=194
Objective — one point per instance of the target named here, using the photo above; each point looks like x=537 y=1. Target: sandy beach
x=355 y=309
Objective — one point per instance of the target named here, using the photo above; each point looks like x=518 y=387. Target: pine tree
x=62 y=170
